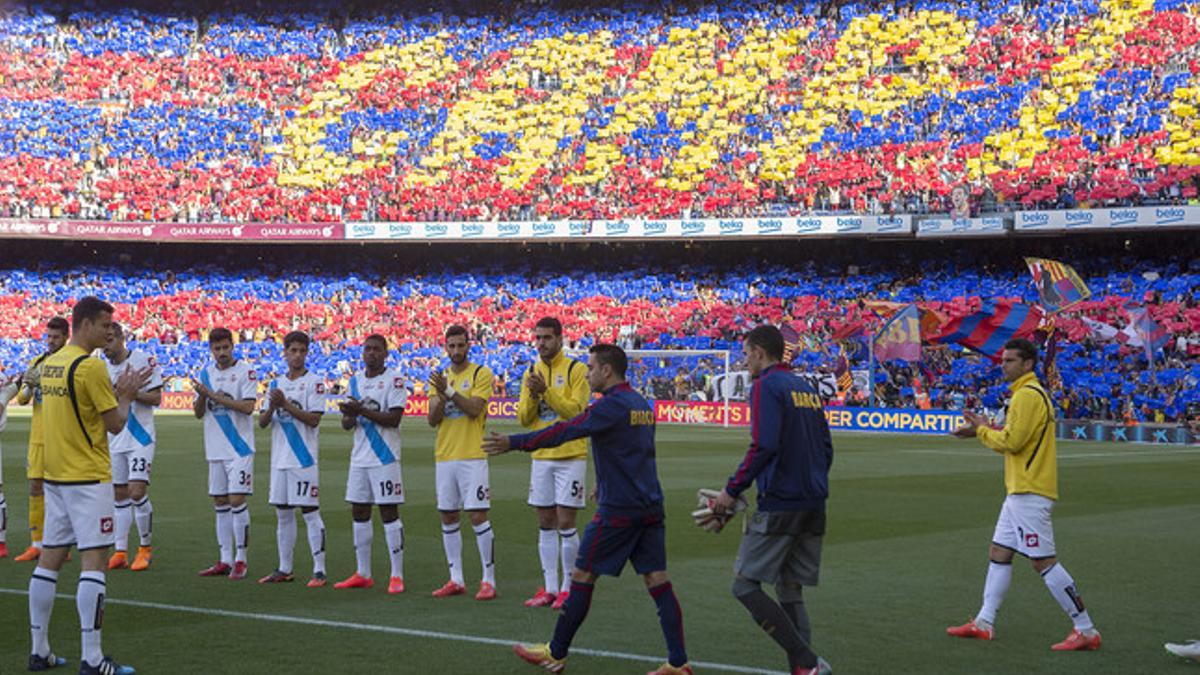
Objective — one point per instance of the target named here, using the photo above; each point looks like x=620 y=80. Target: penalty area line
x=391 y=630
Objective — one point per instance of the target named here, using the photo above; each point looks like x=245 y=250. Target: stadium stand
x=701 y=297
x=537 y=110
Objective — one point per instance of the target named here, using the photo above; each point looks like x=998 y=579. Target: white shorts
x=132 y=465
x=231 y=477
x=463 y=485
x=80 y=515
x=375 y=485
x=294 y=487
x=1024 y=526
x=558 y=482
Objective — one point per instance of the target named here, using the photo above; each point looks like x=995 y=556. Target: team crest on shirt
x=1031 y=540
x=320 y=387
x=106 y=525
x=398 y=382
x=251 y=375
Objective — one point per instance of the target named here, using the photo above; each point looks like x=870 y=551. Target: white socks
x=285 y=536
x=41 y=601
x=999 y=578
x=394 y=532
x=122 y=520
x=89 y=599
x=316 y=539
x=143 y=514
x=225 y=533
x=485 y=539
x=548 y=552
x=364 y=536
x=452 y=542
x=570 y=551
x=1062 y=587
x=241 y=530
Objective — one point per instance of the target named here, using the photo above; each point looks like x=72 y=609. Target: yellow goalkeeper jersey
x=458 y=435
x=76 y=392
x=567 y=395
x=33 y=395
x=1027 y=440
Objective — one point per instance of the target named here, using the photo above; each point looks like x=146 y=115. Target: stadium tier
x=532 y=111
x=647 y=297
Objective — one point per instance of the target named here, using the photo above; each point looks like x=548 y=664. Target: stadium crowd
x=523 y=110
x=699 y=297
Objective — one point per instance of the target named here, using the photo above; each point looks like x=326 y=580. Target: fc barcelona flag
x=1059 y=287
x=791 y=342
x=996 y=322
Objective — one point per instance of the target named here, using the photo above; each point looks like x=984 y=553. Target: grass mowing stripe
x=393 y=630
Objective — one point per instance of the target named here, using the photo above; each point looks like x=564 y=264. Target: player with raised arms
x=293 y=409
x=374 y=410
x=630 y=522
x=132 y=451
x=226 y=396
x=458 y=410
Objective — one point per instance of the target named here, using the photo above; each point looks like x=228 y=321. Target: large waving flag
x=900 y=339
x=996 y=322
x=1058 y=285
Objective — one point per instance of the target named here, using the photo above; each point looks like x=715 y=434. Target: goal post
x=667 y=374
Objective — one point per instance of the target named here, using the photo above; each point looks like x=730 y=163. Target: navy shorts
x=609 y=541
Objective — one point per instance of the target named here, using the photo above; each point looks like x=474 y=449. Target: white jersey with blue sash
x=229 y=434
x=375 y=445
x=139 y=429
x=294 y=445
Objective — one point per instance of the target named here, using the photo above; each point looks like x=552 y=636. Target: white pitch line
x=392 y=630
x=1071 y=455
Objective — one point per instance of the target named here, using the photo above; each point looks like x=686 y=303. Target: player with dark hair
x=226 y=395
x=292 y=410
x=1030 y=452
x=373 y=410
x=81 y=406
x=629 y=522
x=458 y=410
x=554 y=390
x=789 y=459
x=57 y=332
x=132 y=451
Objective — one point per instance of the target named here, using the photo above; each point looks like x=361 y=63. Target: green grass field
x=910 y=519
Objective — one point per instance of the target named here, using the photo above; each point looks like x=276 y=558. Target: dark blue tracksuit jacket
x=621 y=426
x=790 y=448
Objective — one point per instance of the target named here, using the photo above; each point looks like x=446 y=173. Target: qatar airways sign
x=166 y=232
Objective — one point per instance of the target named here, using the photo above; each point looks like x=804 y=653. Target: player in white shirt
x=374 y=408
x=8 y=389
x=293 y=410
x=132 y=451
x=226 y=395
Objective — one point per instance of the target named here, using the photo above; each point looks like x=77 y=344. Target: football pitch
x=905 y=556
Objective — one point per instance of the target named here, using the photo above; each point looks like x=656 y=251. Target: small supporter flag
x=900 y=339
x=791 y=342
x=996 y=322
x=1059 y=287
x=1144 y=329
x=841 y=370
